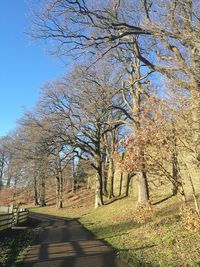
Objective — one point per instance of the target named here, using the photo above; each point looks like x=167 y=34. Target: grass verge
x=161 y=240
x=15 y=242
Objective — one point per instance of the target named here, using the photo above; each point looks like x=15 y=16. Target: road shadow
x=66 y=242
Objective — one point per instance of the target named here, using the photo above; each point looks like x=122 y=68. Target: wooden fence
x=7 y=220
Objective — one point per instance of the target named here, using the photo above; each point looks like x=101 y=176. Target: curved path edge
x=63 y=242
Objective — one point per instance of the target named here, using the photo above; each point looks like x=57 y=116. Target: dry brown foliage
x=190 y=218
x=143 y=214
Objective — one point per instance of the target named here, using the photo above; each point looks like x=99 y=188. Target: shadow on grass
x=81 y=246
x=114 y=199
x=131 y=258
x=116 y=228
x=128 y=255
x=170 y=210
x=81 y=242
x=163 y=200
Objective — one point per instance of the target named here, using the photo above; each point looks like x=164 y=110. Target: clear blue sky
x=24 y=66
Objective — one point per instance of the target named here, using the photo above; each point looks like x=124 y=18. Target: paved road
x=66 y=243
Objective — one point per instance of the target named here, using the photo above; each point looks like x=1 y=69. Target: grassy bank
x=14 y=243
x=159 y=240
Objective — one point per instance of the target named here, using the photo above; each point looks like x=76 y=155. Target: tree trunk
x=196 y=121
x=77 y=181
x=1 y=172
x=98 y=193
x=121 y=177
x=175 y=168
x=8 y=181
x=143 y=188
x=175 y=177
x=194 y=195
x=61 y=190
x=128 y=185
x=36 y=202
x=120 y=183
x=112 y=177
x=57 y=191
x=104 y=170
x=110 y=152
x=73 y=177
x=143 y=192
x=193 y=191
x=104 y=179
x=59 y=184
x=1 y=180
x=43 y=193
x=99 y=187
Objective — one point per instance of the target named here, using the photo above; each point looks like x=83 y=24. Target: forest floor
x=158 y=238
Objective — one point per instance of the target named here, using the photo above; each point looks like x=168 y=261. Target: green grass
x=22 y=252
x=14 y=247
x=161 y=241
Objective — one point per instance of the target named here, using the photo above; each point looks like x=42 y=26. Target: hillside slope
x=155 y=237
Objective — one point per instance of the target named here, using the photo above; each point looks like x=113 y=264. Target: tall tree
x=166 y=32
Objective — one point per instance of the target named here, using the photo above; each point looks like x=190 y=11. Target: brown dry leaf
x=143 y=214
x=190 y=218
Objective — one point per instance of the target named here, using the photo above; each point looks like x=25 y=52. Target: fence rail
x=7 y=220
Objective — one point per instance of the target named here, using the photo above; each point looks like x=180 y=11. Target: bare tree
x=82 y=101
x=164 y=34
x=3 y=159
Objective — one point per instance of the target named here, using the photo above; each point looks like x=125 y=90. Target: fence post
x=17 y=215
x=11 y=208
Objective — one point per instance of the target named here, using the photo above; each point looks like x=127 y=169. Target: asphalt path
x=67 y=243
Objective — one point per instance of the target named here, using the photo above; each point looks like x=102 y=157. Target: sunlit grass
x=162 y=241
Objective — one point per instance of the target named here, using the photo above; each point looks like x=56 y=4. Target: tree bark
x=2 y=163
x=111 y=151
x=43 y=193
x=104 y=178
x=104 y=166
x=143 y=188
x=99 y=187
x=57 y=191
x=36 y=202
x=73 y=177
x=59 y=184
x=196 y=121
x=193 y=191
x=1 y=179
x=121 y=177
x=112 y=177
x=127 y=185
x=120 y=183
x=8 y=181
x=175 y=170
x=60 y=204
x=143 y=192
